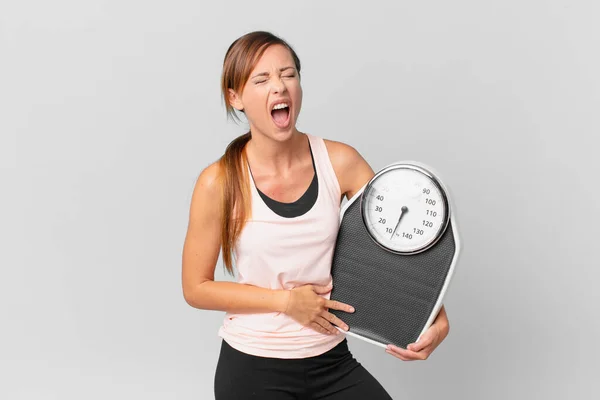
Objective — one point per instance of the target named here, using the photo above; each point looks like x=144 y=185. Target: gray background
x=110 y=109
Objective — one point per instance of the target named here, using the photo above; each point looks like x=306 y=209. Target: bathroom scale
x=395 y=254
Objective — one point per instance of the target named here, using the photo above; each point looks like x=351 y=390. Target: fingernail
x=351 y=309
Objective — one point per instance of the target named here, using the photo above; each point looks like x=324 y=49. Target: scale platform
x=396 y=297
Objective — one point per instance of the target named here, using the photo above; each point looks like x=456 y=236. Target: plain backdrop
x=110 y=109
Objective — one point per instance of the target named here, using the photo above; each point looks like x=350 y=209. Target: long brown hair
x=240 y=60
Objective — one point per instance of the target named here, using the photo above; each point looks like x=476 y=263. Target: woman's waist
x=267 y=325
x=275 y=335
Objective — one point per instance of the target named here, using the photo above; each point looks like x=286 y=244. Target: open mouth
x=281 y=114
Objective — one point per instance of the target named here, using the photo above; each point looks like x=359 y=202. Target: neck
x=278 y=157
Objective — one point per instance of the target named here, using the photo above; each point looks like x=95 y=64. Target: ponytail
x=235 y=199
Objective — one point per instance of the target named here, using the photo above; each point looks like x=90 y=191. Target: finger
x=427 y=339
x=335 y=320
x=405 y=354
x=325 y=324
x=397 y=355
x=420 y=344
x=319 y=328
x=336 y=305
x=323 y=328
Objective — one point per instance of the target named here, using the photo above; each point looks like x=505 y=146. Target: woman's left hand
x=431 y=339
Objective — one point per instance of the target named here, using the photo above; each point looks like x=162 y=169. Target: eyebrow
x=266 y=73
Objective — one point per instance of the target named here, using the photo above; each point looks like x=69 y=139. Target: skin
x=282 y=168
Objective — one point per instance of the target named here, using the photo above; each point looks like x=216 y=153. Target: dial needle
x=403 y=210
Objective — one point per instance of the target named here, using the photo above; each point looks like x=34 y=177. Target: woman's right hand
x=311 y=310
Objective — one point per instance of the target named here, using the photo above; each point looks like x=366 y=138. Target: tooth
x=280 y=106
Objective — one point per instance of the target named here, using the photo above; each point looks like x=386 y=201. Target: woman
x=272 y=202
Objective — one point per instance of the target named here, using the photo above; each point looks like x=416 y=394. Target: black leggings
x=333 y=375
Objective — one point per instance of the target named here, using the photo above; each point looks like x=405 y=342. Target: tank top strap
x=325 y=168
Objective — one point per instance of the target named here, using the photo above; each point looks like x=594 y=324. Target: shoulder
x=208 y=187
x=209 y=179
x=350 y=167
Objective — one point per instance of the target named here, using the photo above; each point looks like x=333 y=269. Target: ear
x=235 y=100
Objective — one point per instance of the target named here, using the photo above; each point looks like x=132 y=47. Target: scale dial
x=405 y=208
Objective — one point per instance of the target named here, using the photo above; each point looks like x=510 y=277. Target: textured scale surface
x=393 y=295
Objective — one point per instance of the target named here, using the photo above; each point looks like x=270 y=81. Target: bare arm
x=351 y=169
x=200 y=255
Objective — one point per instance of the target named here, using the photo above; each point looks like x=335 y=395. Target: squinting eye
x=257 y=82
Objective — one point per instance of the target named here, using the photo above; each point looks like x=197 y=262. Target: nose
x=277 y=85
